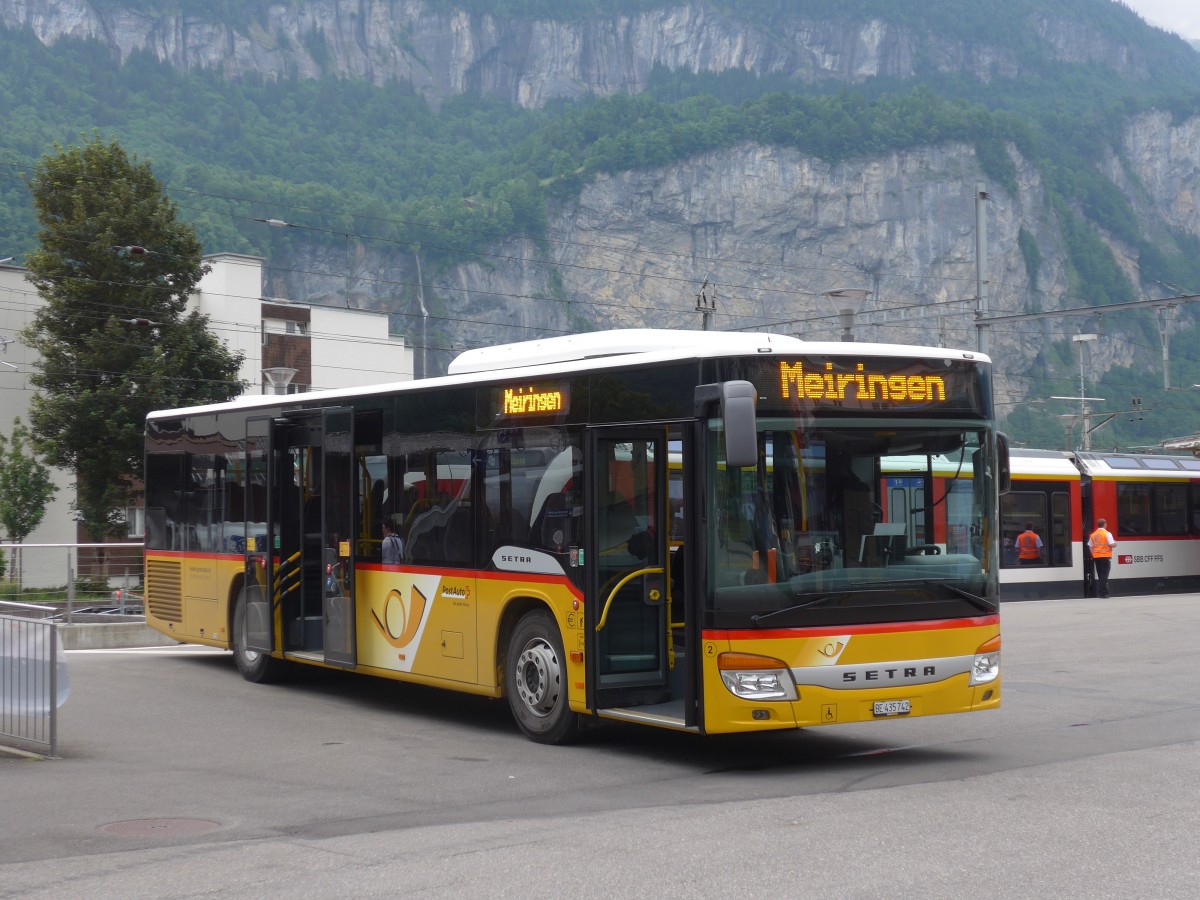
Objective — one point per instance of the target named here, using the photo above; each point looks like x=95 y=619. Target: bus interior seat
x=554 y=528
x=510 y=527
x=620 y=524
x=459 y=540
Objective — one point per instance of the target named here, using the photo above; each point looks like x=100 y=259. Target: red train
x=1151 y=504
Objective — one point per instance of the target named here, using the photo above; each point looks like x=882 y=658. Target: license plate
x=893 y=707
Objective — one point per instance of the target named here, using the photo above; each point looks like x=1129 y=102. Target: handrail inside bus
x=636 y=573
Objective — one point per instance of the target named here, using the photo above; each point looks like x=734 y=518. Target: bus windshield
x=852 y=521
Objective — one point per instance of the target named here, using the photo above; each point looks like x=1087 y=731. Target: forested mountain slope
x=525 y=168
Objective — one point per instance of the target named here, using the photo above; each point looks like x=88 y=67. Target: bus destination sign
x=875 y=384
x=795 y=382
x=530 y=401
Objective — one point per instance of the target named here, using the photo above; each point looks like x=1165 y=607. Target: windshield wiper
x=980 y=603
x=815 y=601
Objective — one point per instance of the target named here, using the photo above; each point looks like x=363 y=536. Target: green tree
x=25 y=487
x=115 y=269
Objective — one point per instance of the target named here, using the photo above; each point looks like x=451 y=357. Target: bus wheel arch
x=254 y=665
x=534 y=672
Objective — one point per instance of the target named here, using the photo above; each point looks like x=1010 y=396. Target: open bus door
x=257 y=608
x=629 y=651
x=299 y=544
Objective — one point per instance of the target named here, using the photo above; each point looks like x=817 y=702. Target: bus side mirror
x=1003 y=466
x=739 y=401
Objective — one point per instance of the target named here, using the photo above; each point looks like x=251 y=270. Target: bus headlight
x=753 y=677
x=986 y=667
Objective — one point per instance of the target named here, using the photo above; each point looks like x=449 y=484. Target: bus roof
x=687 y=344
x=592 y=351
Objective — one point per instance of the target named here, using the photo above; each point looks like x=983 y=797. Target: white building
x=18 y=303
x=327 y=347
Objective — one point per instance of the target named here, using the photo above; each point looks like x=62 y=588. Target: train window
x=1161 y=463
x=1060 y=533
x=1122 y=462
x=1019 y=509
x=1170 y=509
x=1049 y=512
x=1133 y=509
x=1152 y=509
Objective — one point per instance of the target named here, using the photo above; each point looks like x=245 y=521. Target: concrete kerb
x=131 y=631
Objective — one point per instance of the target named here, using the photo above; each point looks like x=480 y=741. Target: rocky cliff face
x=1164 y=157
x=530 y=62
x=772 y=230
x=769 y=229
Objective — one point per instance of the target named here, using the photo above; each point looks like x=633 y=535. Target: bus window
x=438 y=526
x=527 y=473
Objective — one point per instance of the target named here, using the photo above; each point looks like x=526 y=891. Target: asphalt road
x=178 y=779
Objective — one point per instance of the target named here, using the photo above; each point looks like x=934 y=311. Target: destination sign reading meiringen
x=861 y=385
x=535 y=400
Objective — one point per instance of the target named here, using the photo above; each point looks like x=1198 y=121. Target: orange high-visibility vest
x=1027 y=546
x=1100 y=545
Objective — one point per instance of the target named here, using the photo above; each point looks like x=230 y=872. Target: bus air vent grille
x=164 y=590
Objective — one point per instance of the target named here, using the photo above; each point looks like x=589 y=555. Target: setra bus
x=682 y=529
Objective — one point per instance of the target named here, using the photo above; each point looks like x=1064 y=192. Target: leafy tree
x=25 y=488
x=116 y=341
x=25 y=485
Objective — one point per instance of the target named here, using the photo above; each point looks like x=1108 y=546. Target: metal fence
x=33 y=684
x=71 y=578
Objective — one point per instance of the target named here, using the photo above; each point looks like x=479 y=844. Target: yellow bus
x=589 y=527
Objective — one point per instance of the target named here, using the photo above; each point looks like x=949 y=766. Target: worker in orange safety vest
x=1029 y=546
x=1101 y=543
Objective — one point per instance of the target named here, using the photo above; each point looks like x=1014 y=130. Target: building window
x=135 y=522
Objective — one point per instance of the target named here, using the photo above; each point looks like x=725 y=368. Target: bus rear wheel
x=535 y=672
x=254 y=665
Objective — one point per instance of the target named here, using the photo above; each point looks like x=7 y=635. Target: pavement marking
x=182 y=650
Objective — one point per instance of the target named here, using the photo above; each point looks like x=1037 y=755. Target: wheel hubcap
x=539 y=678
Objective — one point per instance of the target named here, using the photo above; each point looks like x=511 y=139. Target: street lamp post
x=280 y=377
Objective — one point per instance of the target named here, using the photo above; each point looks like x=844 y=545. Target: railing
x=62 y=579
x=33 y=684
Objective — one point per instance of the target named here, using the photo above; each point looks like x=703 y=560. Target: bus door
x=257 y=537
x=310 y=529
x=338 y=539
x=626 y=560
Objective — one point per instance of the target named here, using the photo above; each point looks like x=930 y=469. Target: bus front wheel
x=254 y=665
x=535 y=672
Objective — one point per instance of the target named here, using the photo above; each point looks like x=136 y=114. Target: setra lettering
x=898 y=674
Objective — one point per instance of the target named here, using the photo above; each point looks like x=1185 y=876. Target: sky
x=1180 y=16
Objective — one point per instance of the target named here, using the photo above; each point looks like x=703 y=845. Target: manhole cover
x=159 y=827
